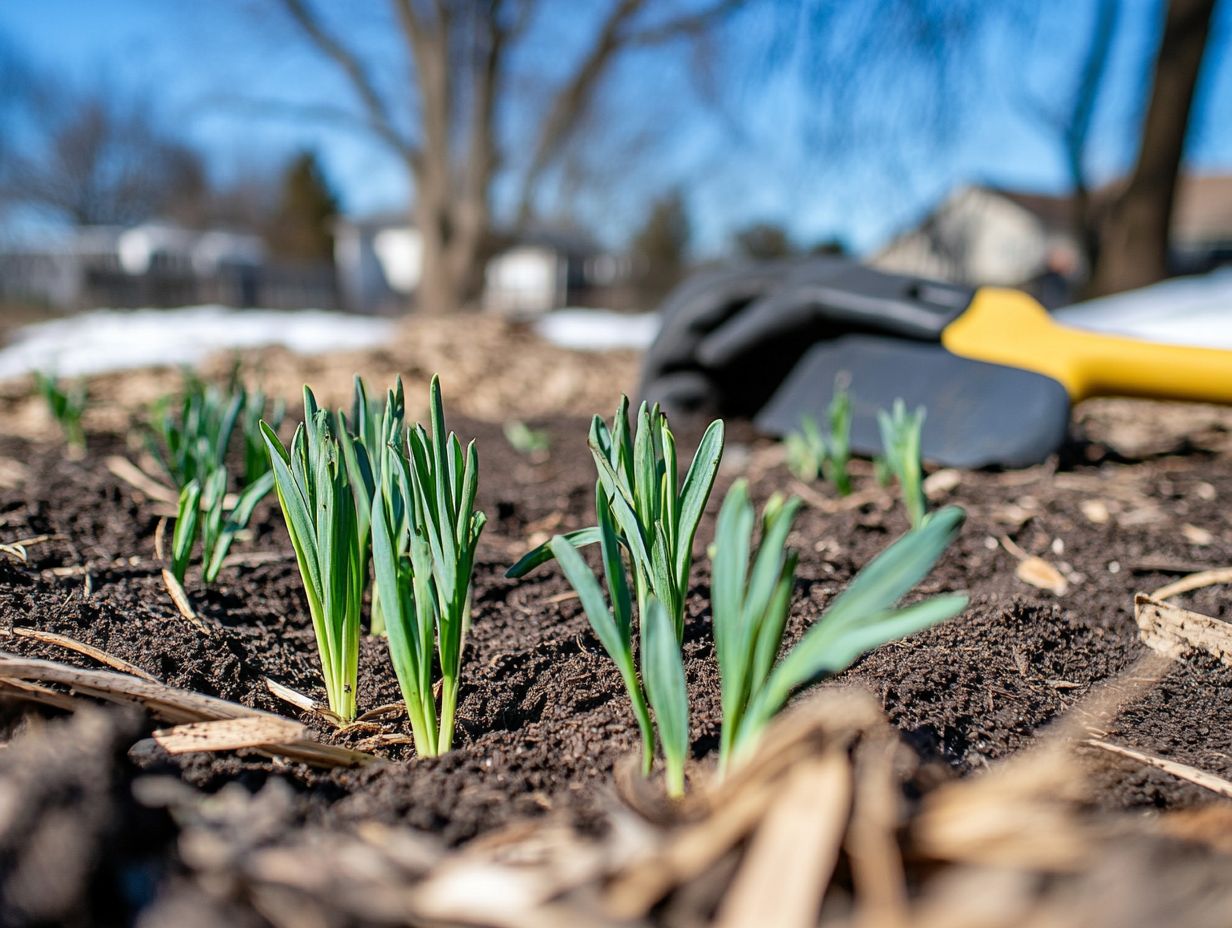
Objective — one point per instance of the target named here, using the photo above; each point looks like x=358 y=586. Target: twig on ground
x=80 y=647
x=1215 y=784
x=164 y=702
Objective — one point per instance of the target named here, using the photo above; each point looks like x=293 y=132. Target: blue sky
x=765 y=155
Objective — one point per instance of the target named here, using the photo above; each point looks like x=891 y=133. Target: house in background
x=551 y=269
x=154 y=264
x=983 y=235
x=379 y=261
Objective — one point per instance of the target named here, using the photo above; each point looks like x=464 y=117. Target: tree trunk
x=1134 y=235
x=438 y=292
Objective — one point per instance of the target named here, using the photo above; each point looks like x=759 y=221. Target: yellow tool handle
x=1008 y=327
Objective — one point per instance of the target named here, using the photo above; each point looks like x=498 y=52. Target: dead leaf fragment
x=1042 y=575
x=941 y=483
x=1096 y=511
x=1196 y=535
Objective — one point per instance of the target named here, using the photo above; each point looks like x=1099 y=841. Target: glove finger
x=771 y=318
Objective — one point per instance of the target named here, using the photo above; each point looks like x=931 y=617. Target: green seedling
x=371 y=428
x=256 y=407
x=900 y=438
x=811 y=455
x=750 y=601
x=424 y=534
x=645 y=513
x=806 y=450
x=65 y=406
x=191 y=437
x=525 y=440
x=318 y=507
x=201 y=514
x=839 y=446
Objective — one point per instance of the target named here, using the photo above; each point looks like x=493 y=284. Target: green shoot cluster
x=319 y=509
x=66 y=406
x=751 y=596
x=369 y=490
x=900 y=439
x=191 y=437
x=525 y=440
x=645 y=535
x=424 y=534
x=811 y=455
x=645 y=513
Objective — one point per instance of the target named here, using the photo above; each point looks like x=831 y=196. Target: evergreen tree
x=662 y=245
x=301 y=229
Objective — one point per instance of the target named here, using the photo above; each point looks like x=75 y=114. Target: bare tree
x=99 y=157
x=1134 y=235
x=443 y=127
x=1070 y=121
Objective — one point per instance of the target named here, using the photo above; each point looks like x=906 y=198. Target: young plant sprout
x=839 y=446
x=806 y=450
x=65 y=406
x=193 y=445
x=900 y=438
x=189 y=435
x=319 y=510
x=371 y=427
x=424 y=534
x=201 y=514
x=642 y=510
x=811 y=455
x=750 y=606
x=256 y=407
x=525 y=440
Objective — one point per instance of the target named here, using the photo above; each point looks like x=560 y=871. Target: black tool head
x=979 y=414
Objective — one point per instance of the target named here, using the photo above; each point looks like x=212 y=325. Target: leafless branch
x=332 y=47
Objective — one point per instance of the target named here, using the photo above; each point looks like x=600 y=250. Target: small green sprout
x=65 y=406
x=750 y=607
x=424 y=534
x=201 y=514
x=525 y=440
x=811 y=455
x=191 y=437
x=806 y=450
x=643 y=511
x=900 y=438
x=318 y=507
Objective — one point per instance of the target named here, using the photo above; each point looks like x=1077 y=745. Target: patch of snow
x=111 y=340
x=598 y=329
x=1184 y=311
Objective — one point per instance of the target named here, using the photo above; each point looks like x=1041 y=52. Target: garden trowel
x=996 y=374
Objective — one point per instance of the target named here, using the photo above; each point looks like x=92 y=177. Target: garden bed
x=543 y=722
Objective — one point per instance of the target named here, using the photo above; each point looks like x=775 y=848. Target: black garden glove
x=729 y=337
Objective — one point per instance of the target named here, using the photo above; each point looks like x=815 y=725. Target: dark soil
x=543 y=719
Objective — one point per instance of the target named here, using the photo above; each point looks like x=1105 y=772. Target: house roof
x=1202 y=212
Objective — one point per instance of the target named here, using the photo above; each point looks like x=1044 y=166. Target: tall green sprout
x=192 y=436
x=319 y=510
x=66 y=406
x=645 y=513
x=810 y=454
x=424 y=534
x=370 y=427
x=900 y=439
x=750 y=602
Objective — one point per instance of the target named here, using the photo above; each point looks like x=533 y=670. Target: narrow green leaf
x=591 y=596
x=697 y=486
x=663 y=674
x=543 y=553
